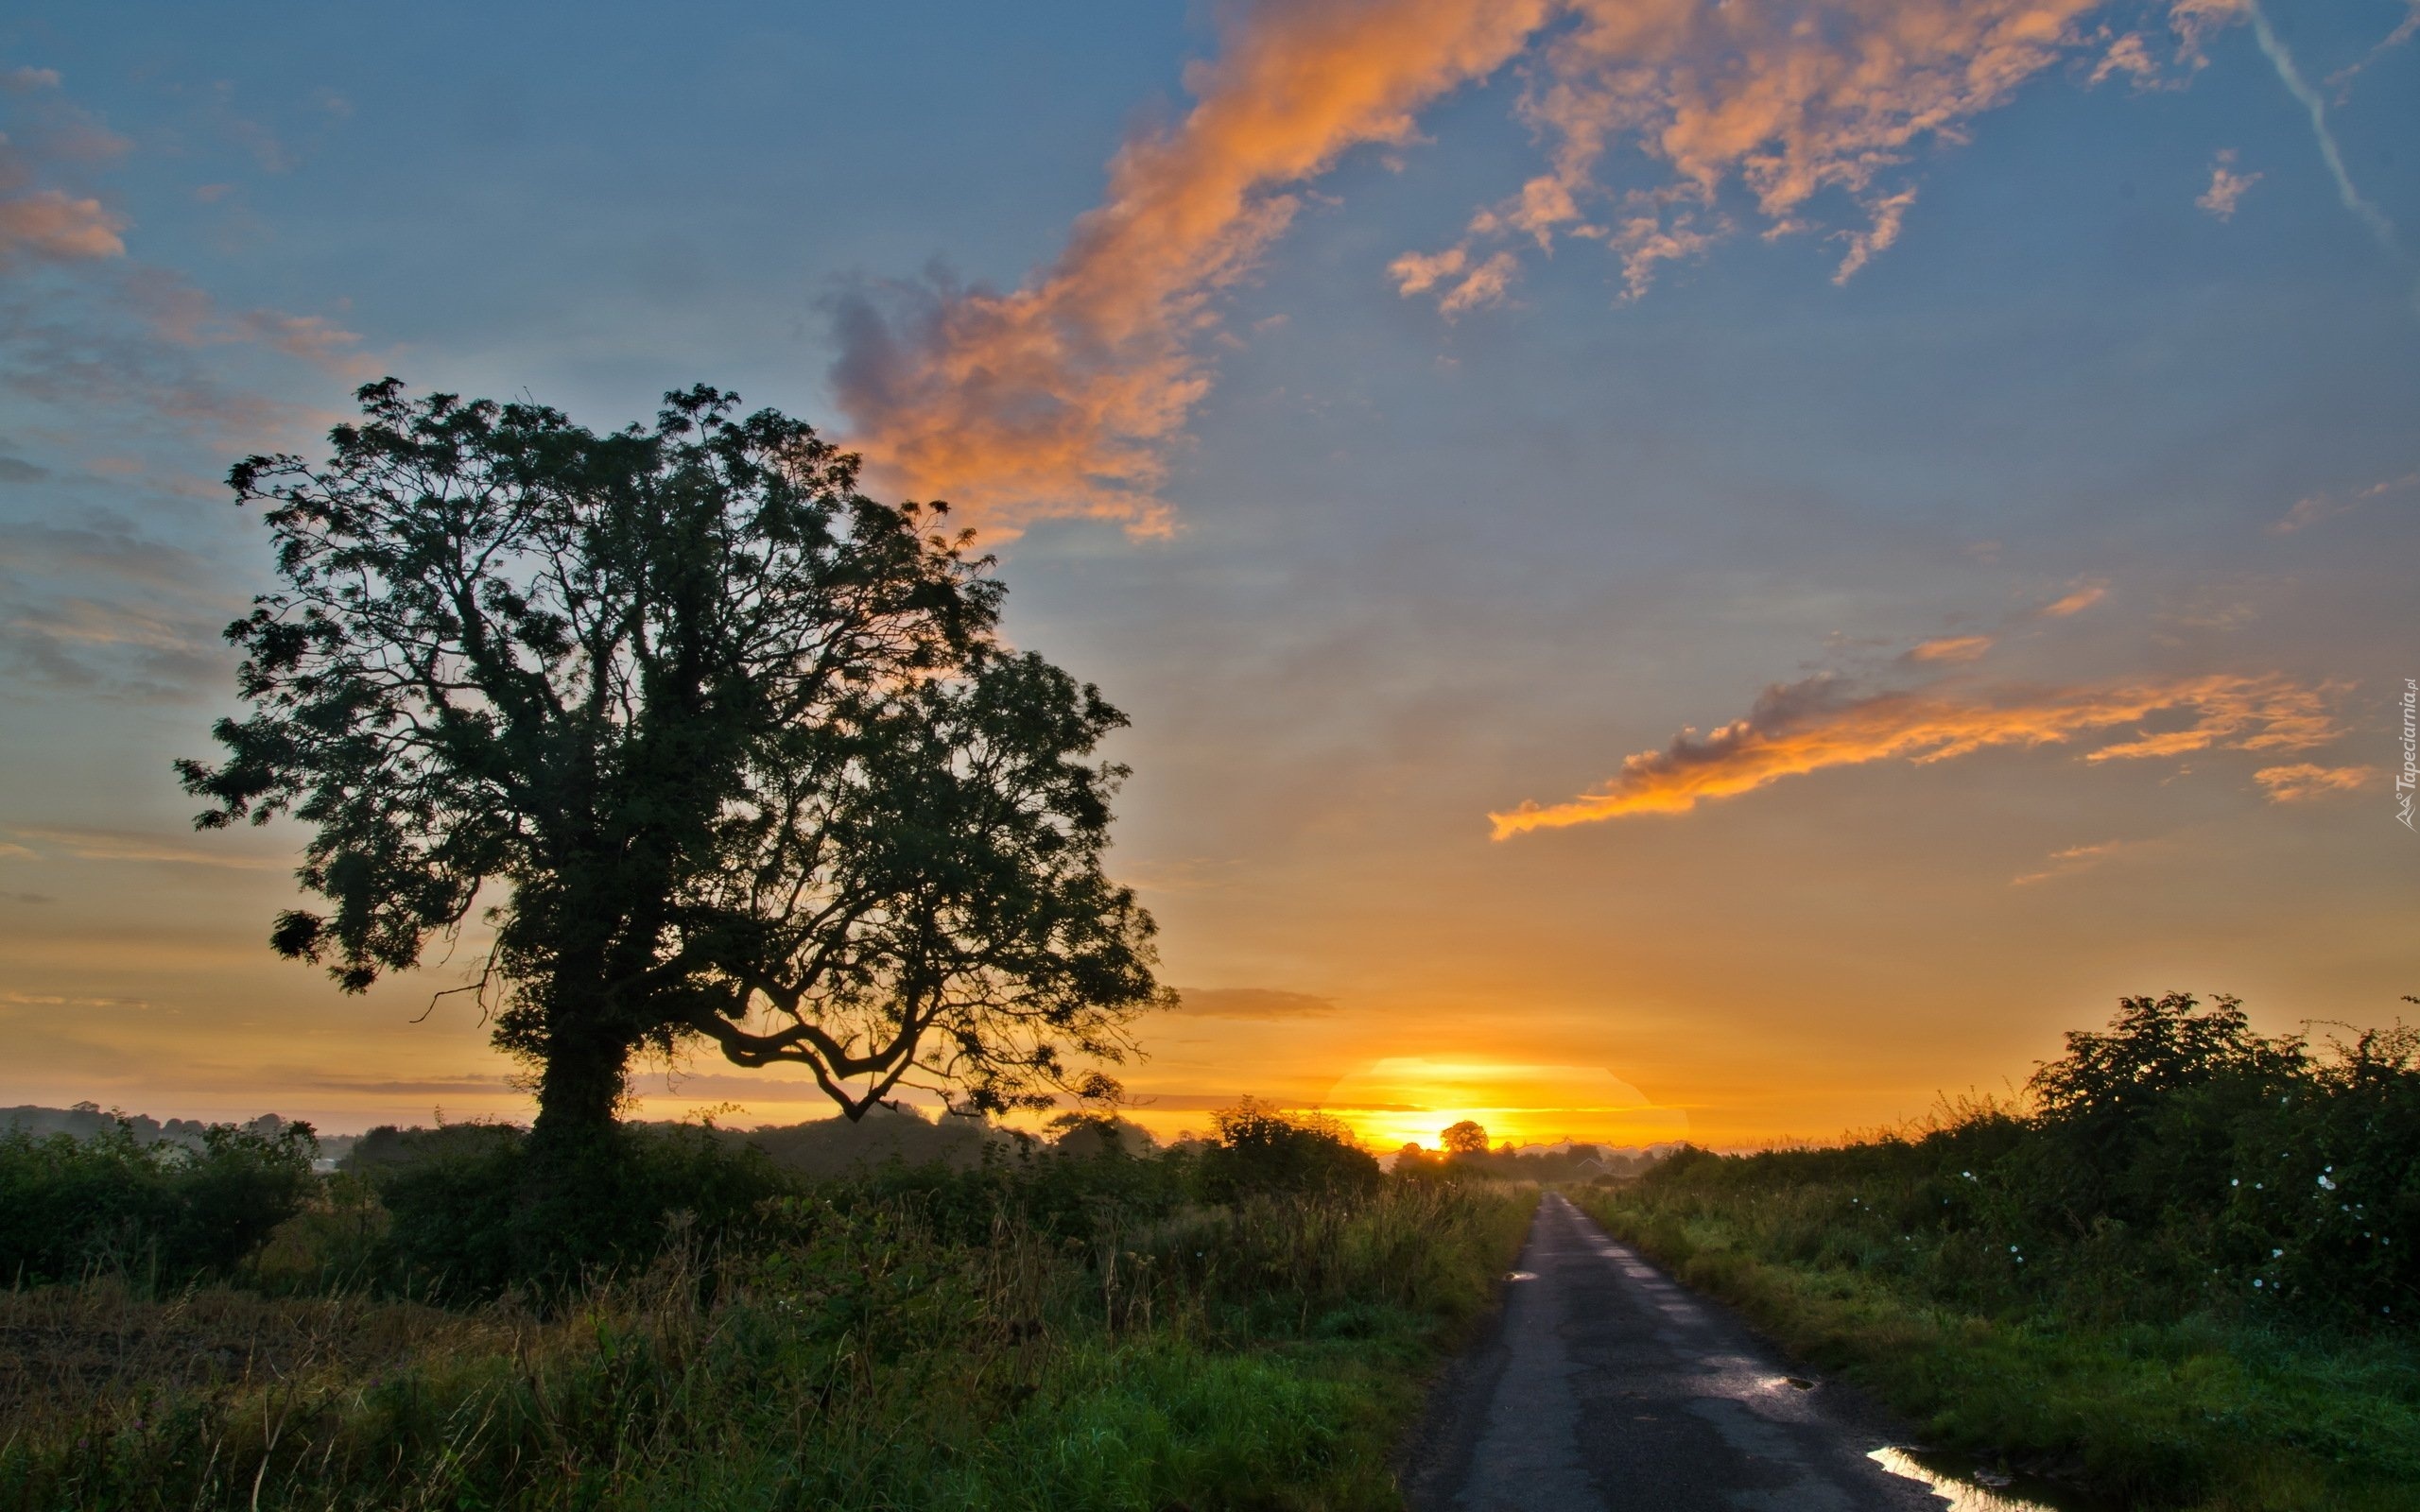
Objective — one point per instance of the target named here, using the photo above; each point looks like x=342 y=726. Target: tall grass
x=2184 y=1276
x=864 y=1349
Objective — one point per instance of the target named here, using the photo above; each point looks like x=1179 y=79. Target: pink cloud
x=53 y=224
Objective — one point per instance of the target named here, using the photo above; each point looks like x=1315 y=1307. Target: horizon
x=1675 y=575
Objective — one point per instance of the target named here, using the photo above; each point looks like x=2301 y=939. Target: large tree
x=730 y=751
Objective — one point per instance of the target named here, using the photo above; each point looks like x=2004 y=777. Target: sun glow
x=1408 y=1099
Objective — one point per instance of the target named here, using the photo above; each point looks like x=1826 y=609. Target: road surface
x=1607 y=1387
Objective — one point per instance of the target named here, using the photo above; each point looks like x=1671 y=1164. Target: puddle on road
x=1969 y=1489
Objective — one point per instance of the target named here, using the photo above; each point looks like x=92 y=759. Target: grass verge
x=2205 y=1412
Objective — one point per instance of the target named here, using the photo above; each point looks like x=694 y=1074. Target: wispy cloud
x=103 y=610
x=1461 y=285
x=1064 y=397
x=2340 y=83
x=2075 y=601
x=125 y=845
x=1060 y=398
x=2076 y=858
x=2312 y=509
x=2291 y=75
x=1786 y=102
x=1823 y=721
x=1950 y=649
x=1251 y=1003
x=2306 y=781
x=83 y=325
x=49 y=224
x=60 y=999
x=2128 y=55
x=2226 y=186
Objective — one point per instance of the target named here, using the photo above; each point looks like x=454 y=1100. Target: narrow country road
x=1610 y=1388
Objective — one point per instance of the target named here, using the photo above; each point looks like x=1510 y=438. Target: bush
x=70 y=1208
x=1260 y=1150
x=471 y=1213
x=2173 y=1163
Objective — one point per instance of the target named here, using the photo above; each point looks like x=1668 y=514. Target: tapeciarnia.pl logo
x=2409 y=777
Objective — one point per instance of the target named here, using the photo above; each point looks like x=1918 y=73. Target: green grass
x=1261 y=1354
x=2222 y=1411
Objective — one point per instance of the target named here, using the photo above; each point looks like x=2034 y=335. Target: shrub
x=71 y=1207
x=2173 y=1163
x=1262 y=1150
x=469 y=1218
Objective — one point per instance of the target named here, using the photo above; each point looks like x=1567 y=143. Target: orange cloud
x=2226 y=186
x=1059 y=398
x=2081 y=598
x=1791 y=101
x=2073 y=859
x=1064 y=397
x=2306 y=781
x=1952 y=648
x=1805 y=727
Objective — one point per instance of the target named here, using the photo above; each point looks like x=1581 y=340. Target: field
x=1215 y=1330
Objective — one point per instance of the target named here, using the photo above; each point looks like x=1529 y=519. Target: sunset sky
x=1679 y=569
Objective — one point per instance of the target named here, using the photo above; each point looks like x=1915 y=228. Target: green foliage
x=459 y=1228
x=886 y=1344
x=2188 y=1274
x=739 y=746
x=70 y=1208
x=1260 y=1149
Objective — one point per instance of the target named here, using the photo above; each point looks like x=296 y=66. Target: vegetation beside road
x=2184 y=1276
x=1242 y=1324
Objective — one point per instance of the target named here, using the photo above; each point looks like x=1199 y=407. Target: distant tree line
x=435 y=1211
x=1462 y=1149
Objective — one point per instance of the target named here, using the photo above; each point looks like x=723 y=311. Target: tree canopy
x=1468 y=1137
x=732 y=752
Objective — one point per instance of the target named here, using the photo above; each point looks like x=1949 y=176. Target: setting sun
x=1408 y=1099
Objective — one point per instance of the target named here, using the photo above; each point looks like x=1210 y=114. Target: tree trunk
x=572 y=1213
x=579 y=1091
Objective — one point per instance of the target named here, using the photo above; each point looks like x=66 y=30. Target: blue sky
x=1390 y=572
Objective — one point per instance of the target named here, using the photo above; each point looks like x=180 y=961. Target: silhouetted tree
x=739 y=744
x=1465 y=1137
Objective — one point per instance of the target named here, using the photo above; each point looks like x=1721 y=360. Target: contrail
x=2371 y=215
